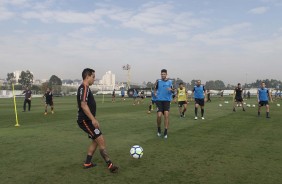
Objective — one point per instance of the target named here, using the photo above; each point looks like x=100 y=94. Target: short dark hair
x=181 y=83
x=163 y=71
x=239 y=84
x=87 y=72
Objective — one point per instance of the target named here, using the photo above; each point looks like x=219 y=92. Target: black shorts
x=163 y=106
x=181 y=103
x=263 y=103
x=238 y=99
x=49 y=103
x=89 y=128
x=200 y=101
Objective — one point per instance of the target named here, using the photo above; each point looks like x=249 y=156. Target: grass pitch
x=226 y=147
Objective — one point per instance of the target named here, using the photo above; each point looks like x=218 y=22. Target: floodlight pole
x=127 y=67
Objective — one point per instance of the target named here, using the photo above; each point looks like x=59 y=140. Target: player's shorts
x=163 y=106
x=154 y=102
x=181 y=103
x=49 y=103
x=200 y=101
x=238 y=99
x=263 y=103
x=89 y=128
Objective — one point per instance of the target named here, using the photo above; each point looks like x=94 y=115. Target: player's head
x=27 y=88
x=262 y=84
x=163 y=73
x=239 y=85
x=198 y=82
x=181 y=85
x=88 y=75
x=48 y=89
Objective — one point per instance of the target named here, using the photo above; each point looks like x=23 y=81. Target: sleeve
x=84 y=93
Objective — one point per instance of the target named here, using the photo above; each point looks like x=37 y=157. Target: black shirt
x=27 y=94
x=238 y=92
x=48 y=96
x=84 y=94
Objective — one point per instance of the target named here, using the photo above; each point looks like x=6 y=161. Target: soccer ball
x=136 y=151
x=248 y=105
x=254 y=105
x=278 y=105
x=220 y=105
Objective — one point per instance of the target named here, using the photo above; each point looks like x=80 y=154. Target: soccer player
x=182 y=97
x=122 y=94
x=152 y=102
x=27 y=98
x=237 y=97
x=263 y=96
x=142 y=96
x=199 y=94
x=135 y=96
x=163 y=92
x=48 y=100
x=114 y=96
x=209 y=95
x=87 y=121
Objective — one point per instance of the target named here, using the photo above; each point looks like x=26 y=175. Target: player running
x=152 y=102
x=263 y=96
x=48 y=100
x=182 y=96
x=163 y=92
x=87 y=121
x=114 y=96
x=199 y=94
x=237 y=97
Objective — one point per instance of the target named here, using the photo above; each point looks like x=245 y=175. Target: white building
x=108 y=81
x=17 y=75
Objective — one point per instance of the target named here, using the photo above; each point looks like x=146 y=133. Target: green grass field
x=225 y=148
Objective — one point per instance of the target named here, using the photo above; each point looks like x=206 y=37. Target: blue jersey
x=135 y=94
x=199 y=92
x=154 y=98
x=122 y=91
x=263 y=94
x=163 y=94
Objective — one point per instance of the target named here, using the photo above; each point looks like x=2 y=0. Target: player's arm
x=187 y=95
x=156 y=88
x=205 y=94
x=234 y=92
x=258 y=96
x=192 y=95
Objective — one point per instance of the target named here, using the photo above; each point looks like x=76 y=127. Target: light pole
x=127 y=67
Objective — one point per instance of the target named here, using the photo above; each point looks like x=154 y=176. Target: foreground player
x=163 y=91
x=87 y=122
x=182 y=97
x=48 y=100
x=263 y=96
x=199 y=93
x=237 y=97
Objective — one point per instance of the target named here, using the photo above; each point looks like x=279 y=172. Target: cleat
x=45 y=113
x=203 y=118
x=149 y=112
x=234 y=110
x=113 y=168
x=244 y=110
x=159 y=134
x=52 y=112
x=196 y=118
x=165 y=136
x=87 y=166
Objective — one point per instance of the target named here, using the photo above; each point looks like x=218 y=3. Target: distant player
x=152 y=102
x=163 y=91
x=87 y=121
x=48 y=100
x=182 y=97
x=122 y=94
x=249 y=95
x=263 y=95
x=142 y=96
x=135 y=97
x=237 y=97
x=114 y=96
x=199 y=94
x=209 y=95
x=27 y=98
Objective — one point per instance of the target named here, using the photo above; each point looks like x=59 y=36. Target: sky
x=233 y=41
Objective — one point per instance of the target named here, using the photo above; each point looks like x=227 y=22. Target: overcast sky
x=231 y=40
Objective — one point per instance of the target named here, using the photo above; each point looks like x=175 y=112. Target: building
x=17 y=75
x=108 y=81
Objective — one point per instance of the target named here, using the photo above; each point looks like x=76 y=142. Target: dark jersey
x=84 y=94
x=27 y=94
x=238 y=92
x=48 y=96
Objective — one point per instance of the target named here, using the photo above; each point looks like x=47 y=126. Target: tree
x=56 y=84
x=11 y=78
x=150 y=85
x=26 y=78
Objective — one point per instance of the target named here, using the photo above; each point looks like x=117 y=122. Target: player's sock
x=258 y=113
x=267 y=114
x=202 y=112
x=52 y=108
x=150 y=107
x=88 y=159
x=196 y=111
x=159 y=129
x=165 y=131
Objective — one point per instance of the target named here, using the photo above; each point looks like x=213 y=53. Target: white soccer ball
x=220 y=105
x=254 y=105
x=278 y=105
x=244 y=103
x=226 y=102
x=248 y=105
x=136 y=151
